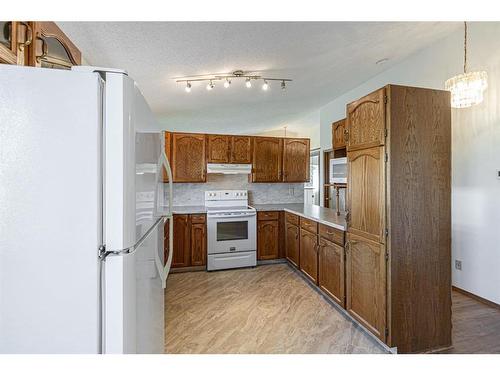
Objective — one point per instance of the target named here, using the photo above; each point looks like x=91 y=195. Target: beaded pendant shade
x=467 y=89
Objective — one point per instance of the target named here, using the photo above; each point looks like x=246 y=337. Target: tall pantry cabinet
x=398 y=246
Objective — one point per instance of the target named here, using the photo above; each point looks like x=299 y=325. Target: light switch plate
x=458 y=265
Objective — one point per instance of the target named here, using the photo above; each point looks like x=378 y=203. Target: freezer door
x=50 y=213
x=134 y=299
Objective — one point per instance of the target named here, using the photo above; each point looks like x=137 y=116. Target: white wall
x=475 y=148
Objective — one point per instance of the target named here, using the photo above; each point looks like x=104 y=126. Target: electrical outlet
x=458 y=265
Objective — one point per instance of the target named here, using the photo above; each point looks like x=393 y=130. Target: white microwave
x=338 y=171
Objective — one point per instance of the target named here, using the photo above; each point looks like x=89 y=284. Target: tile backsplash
x=259 y=193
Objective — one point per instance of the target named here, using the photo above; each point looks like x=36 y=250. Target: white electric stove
x=232 y=230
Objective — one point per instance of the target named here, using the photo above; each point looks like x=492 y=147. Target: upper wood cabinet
x=218 y=148
x=167 y=139
x=366 y=283
x=366 y=193
x=188 y=157
x=338 y=137
x=331 y=270
x=241 y=150
x=15 y=39
x=267 y=159
x=366 y=121
x=296 y=157
x=308 y=259
x=268 y=237
x=51 y=48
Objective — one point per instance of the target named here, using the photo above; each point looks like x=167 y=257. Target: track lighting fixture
x=228 y=77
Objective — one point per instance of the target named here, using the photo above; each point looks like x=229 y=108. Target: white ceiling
x=324 y=59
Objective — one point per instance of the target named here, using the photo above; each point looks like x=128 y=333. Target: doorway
x=311 y=189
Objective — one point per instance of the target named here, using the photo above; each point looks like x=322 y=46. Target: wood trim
x=476 y=297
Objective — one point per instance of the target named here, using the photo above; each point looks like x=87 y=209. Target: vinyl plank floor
x=267 y=309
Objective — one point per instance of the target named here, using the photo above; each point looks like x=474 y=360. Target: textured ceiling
x=325 y=59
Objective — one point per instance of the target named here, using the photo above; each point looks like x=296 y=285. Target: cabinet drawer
x=291 y=218
x=331 y=234
x=309 y=225
x=197 y=218
x=267 y=215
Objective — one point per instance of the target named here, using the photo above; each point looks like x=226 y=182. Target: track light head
x=265 y=86
x=283 y=85
x=248 y=83
x=227 y=83
x=188 y=87
x=210 y=85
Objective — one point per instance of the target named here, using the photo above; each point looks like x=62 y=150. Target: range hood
x=229 y=168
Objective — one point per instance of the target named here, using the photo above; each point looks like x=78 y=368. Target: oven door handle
x=218 y=216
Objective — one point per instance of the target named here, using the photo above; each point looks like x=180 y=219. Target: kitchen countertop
x=320 y=214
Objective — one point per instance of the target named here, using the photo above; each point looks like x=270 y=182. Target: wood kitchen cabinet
x=331 y=275
x=218 y=148
x=182 y=242
x=292 y=243
x=51 y=48
x=398 y=248
x=198 y=240
x=267 y=159
x=190 y=240
x=308 y=259
x=366 y=283
x=338 y=130
x=296 y=157
x=15 y=39
x=188 y=157
x=366 y=121
x=241 y=149
x=268 y=237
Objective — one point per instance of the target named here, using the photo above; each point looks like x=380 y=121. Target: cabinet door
x=366 y=121
x=218 y=148
x=366 y=283
x=51 y=48
x=292 y=244
x=338 y=129
x=198 y=244
x=267 y=159
x=366 y=193
x=308 y=259
x=241 y=150
x=15 y=37
x=168 y=152
x=188 y=157
x=181 y=256
x=331 y=270
x=296 y=156
x=267 y=239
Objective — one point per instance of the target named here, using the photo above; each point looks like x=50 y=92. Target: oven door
x=231 y=232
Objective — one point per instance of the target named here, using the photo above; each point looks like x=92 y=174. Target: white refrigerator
x=82 y=213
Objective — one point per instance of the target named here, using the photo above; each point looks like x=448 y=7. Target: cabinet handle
x=346 y=135
x=29 y=36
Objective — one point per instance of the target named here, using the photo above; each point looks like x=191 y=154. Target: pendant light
x=467 y=89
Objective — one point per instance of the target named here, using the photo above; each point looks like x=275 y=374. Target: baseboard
x=271 y=261
x=476 y=297
x=188 y=269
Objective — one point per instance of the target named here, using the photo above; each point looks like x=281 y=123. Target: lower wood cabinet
x=268 y=236
x=292 y=242
x=331 y=270
x=308 y=259
x=190 y=241
x=366 y=283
